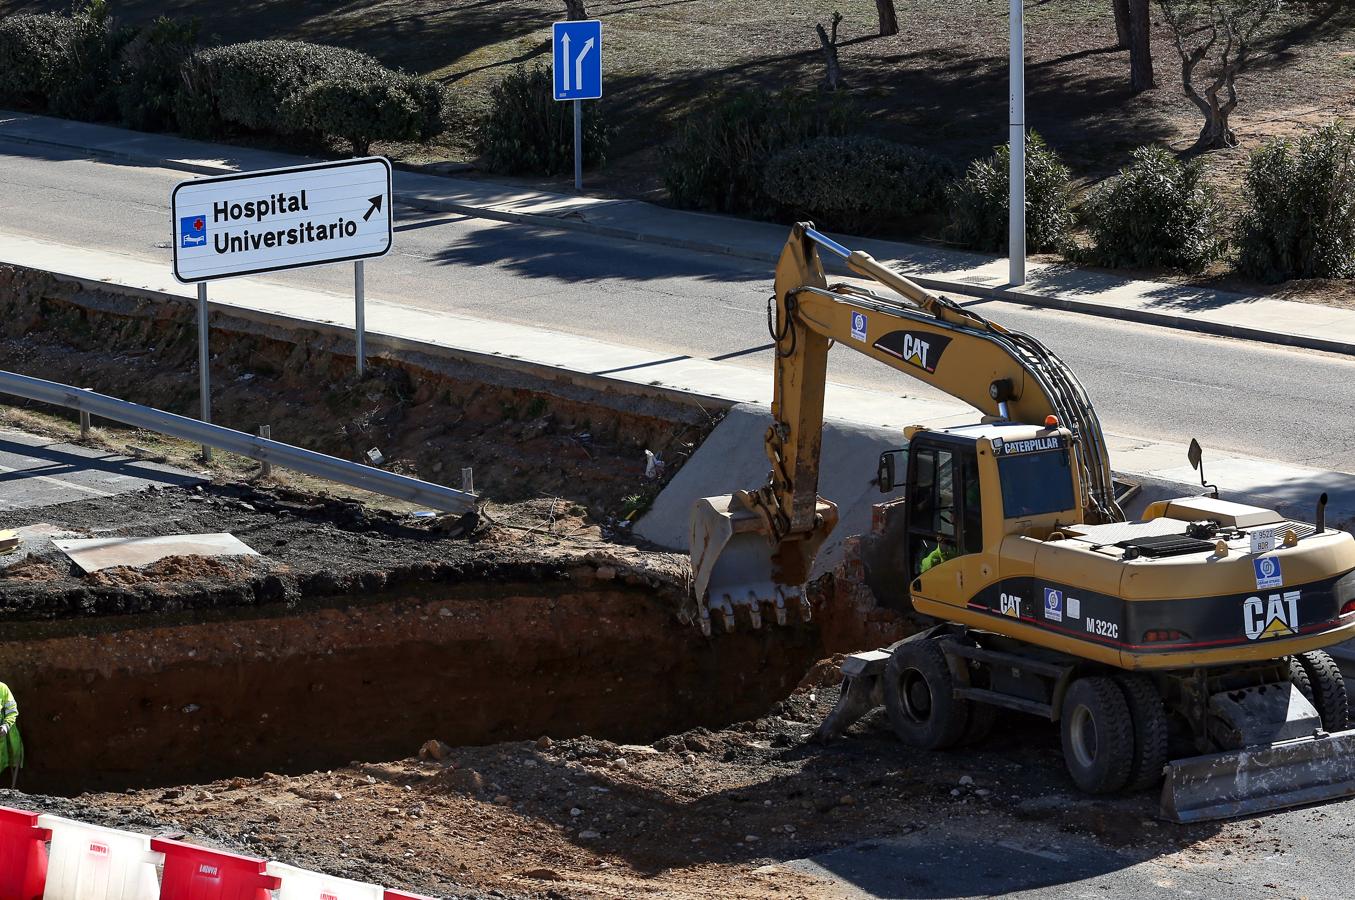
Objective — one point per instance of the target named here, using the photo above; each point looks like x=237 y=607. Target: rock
x=466 y=781
x=749 y=838
x=576 y=812
x=620 y=763
x=544 y=742
x=983 y=792
x=846 y=800
x=589 y=835
x=697 y=744
x=434 y=749
x=502 y=800
x=965 y=779
x=606 y=573
x=543 y=875
x=445 y=613
x=955 y=792
x=689 y=758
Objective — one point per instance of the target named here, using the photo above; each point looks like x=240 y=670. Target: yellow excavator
x=1200 y=626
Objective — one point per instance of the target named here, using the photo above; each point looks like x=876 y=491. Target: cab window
x=1035 y=484
x=945 y=511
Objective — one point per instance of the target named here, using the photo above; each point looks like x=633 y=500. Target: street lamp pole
x=1017 y=201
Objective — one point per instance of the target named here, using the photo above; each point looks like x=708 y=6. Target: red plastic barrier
x=23 y=855
x=196 y=873
x=404 y=895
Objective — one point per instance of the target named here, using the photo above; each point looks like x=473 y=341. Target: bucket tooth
x=806 y=611
x=754 y=610
x=705 y=620
x=727 y=614
x=780 y=601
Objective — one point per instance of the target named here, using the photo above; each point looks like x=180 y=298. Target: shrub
x=723 y=147
x=1157 y=213
x=247 y=84
x=1300 y=219
x=30 y=49
x=525 y=130
x=856 y=183
x=150 y=69
x=82 y=82
x=979 y=201
x=369 y=106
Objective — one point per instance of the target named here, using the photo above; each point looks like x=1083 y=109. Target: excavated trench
x=357 y=639
x=170 y=698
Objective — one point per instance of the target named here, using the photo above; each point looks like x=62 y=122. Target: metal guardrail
x=308 y=462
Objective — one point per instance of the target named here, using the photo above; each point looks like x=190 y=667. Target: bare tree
x=889 y=17
x=833 y=78
x=1121 y=8
x=1141 y=76
x=575 y=10
x=1216 y=40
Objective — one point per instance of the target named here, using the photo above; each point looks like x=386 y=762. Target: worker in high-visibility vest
x=11 y=745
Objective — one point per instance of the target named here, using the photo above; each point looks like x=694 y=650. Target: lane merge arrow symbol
x=375 y=207
x=578 y=64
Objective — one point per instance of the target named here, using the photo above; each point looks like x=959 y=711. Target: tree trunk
x=1121 y=23
x=889 y=17
x=1217 y=133
x=1140 y=47
x=833 y=78
x=575 y=10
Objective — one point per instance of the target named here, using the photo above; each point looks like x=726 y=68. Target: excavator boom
x=756 y=549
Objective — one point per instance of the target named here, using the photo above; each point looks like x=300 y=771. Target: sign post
x=577 y=74
x=281 y=219
x=204 y=366
x=1016 y=147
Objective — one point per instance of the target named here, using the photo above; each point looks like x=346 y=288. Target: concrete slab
x=732 y=459
x=93 y=554
x=35 y=472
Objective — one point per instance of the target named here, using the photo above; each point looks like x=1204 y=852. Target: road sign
x=281 y=219
x=577 y=60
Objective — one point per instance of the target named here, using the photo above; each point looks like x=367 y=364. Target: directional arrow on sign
x=578 y=63
x=375 y=207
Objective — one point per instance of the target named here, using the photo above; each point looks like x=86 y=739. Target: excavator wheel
x=1148 y=714
x=1298 y=677
x=1329 y=689
x=919 y=695
x=1098 y=735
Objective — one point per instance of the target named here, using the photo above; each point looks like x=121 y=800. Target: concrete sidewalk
x=1160 y=465
x=1189 y=308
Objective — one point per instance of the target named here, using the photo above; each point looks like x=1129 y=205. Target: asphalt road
x=36 y=472
x=1233 y=395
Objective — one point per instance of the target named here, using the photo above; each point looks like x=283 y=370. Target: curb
x=963 y=288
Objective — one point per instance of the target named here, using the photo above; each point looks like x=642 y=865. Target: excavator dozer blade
x=736 y=566
x=1257 y=779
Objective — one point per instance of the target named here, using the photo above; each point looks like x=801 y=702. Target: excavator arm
x=1004 y=374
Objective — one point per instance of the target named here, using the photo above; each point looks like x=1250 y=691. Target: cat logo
x=1010 y=605
x=917 y=348
x=1278 y=616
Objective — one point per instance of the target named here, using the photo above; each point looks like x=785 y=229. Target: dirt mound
x=31 y=568
x=180 y=568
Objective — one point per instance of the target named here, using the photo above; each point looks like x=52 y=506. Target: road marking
x=1212 y=387
x=1043 y=854
x=28 y=473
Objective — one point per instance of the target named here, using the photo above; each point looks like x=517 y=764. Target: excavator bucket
x=1285 y=760
x=736 y=565
x=1257 y=779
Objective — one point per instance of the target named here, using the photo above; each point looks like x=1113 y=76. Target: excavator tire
x=919 y=697
x=1149 y=715
x=1098 y=735
x=1329 y=689
x=1298 y=677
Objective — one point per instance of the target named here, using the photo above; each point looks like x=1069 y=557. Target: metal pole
x=204 y=365
x=84 y=426
x=578 y=145
x=1017 y=201
x=266 y=432
x=360 y=304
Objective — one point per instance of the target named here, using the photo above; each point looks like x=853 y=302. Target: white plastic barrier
x=299 y=884
x=86 y=862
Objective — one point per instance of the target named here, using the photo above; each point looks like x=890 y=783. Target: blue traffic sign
x=577 y=60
